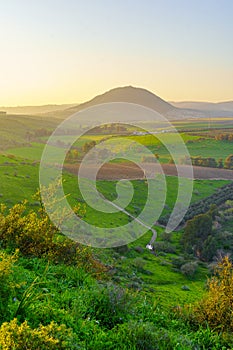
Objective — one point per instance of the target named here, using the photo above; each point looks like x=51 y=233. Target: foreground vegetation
x=58 y=294
x=62 y=297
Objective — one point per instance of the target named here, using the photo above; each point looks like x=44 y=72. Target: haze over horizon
x=59 y=52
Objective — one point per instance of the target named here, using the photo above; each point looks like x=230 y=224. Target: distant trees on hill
x=201 y=207
x=224 y=137
x=210 y=162
x=202 y=161
x=228 y=164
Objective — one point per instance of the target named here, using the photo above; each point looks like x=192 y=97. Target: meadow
x=90 y=298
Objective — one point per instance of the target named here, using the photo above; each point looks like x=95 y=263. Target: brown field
x=117 y=171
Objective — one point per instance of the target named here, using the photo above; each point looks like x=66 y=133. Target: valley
x=102 y=295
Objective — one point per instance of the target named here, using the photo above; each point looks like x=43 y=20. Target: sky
x=57 y=51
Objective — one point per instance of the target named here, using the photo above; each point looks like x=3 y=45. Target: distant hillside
x=124 y=94
x=172 y=111
x=128 y=94
x=36 y=109
x=14 y=129
x=220 y=108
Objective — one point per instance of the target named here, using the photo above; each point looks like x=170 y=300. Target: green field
x=197 y=146
x=20 y=182
x=77 y=294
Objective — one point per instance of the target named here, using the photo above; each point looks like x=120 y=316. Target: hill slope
x=125 y=94
x=172 y=110
x=128 y=94
x=207 y=108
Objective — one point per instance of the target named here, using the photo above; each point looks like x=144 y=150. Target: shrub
x=133 y=335
x=107 y=305
x=228 y=163
x=165 y=247
x=177 y=262
x=34 y=235
x=7 y=284
x=50 y=337
x=139 y=263
x=217 y=307
x=189 y=269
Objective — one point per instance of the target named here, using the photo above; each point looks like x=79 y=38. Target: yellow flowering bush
x=34 y=235
x=217 y=307
x=51 y=337
x=7 y=284
x=6 y=263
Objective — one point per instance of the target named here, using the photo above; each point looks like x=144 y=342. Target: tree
x=210 y=248
x=171 y=161
x=228 y=164
x=196 y=232
x=88 y=145
x=220 y=163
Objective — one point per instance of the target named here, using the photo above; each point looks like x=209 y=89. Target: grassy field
x=71 y=295
x=20 y=181
x=204 y=147
x=203 y=123
x=14 y=129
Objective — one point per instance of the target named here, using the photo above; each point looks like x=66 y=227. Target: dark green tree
x=196 y=232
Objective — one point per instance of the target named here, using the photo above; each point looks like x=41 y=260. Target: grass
x=203 y=123
x=202 y=189
x=20 y=181
x=210 y=148
x=69 y=294
x=14 y=128
x=204 y=147
x=99 y=315
x=33 y=152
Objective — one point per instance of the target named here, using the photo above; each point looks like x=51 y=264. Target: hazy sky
x=57 y=51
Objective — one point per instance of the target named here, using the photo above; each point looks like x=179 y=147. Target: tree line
x=210 y=162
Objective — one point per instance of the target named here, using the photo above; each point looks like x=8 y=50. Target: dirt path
x=117 y=171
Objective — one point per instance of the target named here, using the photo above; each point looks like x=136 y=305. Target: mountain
x=170 y=110
x=128 y=94
x=125 y=94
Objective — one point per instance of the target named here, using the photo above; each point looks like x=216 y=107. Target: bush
x=217 y=307
x=132 y=336
x=165 y=247
x=178 y=261
x=35 y=236
x=139 y=263
x=189 y=269
x=107 y=305
x=7 y=284
x=50 y=337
